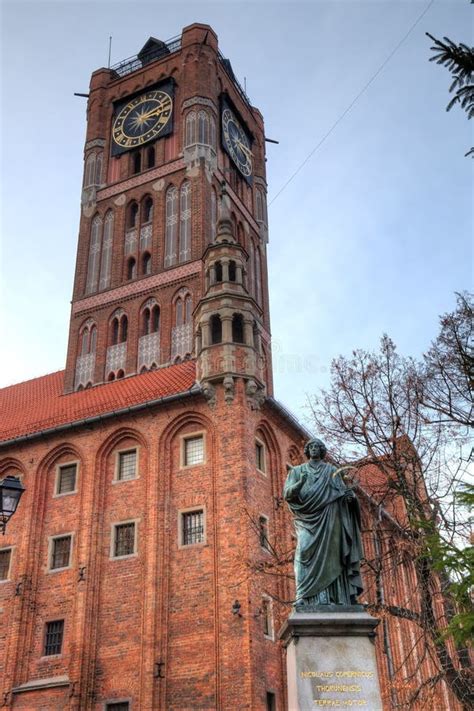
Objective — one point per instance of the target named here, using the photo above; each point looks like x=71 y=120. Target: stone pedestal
x=331 y=659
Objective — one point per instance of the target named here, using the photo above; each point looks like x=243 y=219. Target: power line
x=346 y=111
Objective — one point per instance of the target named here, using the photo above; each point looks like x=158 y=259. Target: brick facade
x=164 y=625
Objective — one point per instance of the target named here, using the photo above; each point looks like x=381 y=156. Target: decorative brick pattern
x=140 y=179
x=148 y=351
x=124 y=292
x=181 y=340
x=85 y=365
x=116 y=358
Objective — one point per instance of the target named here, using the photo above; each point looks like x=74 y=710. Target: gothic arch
x=113 y=440
x=264 y=431
x=13 y=464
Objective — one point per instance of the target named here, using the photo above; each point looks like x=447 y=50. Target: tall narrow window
x=212 y=138
x=259 y=205
x=131 y=268
x=136 y=162
x=263 y=532
x=203 y=127
x=85 y=342
x=190 y=129
x=232 y=270
x=267 y=622
x=94 y=255
x=260 y=456
x=146 y=264
x=89 y=172
x=251 y=268
x=132 y=215
x=216 y=329
x=115 y=331
x=155 y=319
x=185 y=222
x=98 y=169
x=212 y=236
x=237 y=328
x=258 y=276
x=192 y=527
x=150 y=157
x=271 y=701
x=148 y=210
x=53 y=640
x=123 y=329
x=93 y=339
x=188 y=308
x=106 y=259
x=179 y=312
x=218 y=271
x=171 y=235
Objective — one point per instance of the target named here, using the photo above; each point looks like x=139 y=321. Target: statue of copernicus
x=327 y=522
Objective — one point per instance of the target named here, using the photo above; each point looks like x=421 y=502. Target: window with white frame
x=192 y=527
x=5 y=561
x=126 y=465
x=124 y=539
x=193 y=450
x=66 y=478
x=60 y=552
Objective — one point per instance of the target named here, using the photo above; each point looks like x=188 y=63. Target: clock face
x=236 y=143
x=143 y=119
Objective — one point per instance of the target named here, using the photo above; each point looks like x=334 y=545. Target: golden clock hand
x=244 y=148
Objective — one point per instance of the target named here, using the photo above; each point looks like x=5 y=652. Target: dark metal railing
x=131 y=64
x=127 y=66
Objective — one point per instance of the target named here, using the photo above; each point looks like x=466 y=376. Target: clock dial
x=143 y=119
x=236 y=143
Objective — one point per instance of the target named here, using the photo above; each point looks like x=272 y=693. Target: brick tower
x=173 y=149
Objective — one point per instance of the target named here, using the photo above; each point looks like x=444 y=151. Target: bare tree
x=375 y=416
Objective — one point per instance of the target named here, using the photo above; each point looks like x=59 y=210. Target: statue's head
x=315 y=449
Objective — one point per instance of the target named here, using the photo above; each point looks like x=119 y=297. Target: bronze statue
x=327 y=522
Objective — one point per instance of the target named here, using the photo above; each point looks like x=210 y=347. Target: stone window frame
x=125 y=450
x=191 y=509
x=51 y=539
x=59 y=466
x=113 y=527
x=261 y=443
x=270 y=620
x=8 y=579
x=182 y=449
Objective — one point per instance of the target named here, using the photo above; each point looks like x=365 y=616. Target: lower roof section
x=39 y=405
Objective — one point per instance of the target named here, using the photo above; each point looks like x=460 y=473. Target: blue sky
x=373 y=235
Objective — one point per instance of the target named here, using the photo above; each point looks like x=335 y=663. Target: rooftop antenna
x=110 y=50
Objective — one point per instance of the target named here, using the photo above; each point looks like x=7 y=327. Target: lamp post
x=11 y=490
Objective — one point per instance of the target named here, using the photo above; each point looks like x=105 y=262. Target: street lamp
x=11 y=490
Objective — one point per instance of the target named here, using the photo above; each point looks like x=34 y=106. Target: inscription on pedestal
x=331 y=688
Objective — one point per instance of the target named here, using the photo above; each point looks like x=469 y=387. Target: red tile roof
x=40 y=404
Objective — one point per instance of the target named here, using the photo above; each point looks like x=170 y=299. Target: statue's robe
x=329 y=548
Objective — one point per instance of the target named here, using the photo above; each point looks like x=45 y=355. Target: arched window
x=203 y=127
x=106 y=258
x=259 y=205
x=188 y=309
x=171 y=232
x=212 y=139
x=123 y=328
x=258 y=276
x=85 y=342
x=94 y=255
x=136 y=162
x=146 y=264
x=93 y=339
x=155 y=319
x=131 y=268
x=185 y=222
x=115 y=331
x=251 y=268
x=179 y=312
x=218 y=271
x=232 y=270
x=132 y=216
x=89 y=171
x=212 y=236
x=150 y=157
x=216 y=329
x=98 y=169
x=120 y=374
x=190 y=129
x=146 y=320
x=147 y=210
x=237 y=328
